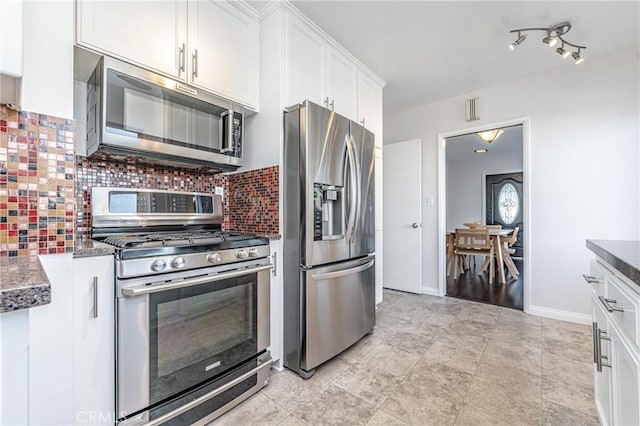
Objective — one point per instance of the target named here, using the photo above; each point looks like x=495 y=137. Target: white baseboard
x=430 y=291
x=559 y=314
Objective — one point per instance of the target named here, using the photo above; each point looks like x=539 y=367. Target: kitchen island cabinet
x=614 y=280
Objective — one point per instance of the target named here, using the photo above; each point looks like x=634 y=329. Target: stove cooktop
x=174 y=239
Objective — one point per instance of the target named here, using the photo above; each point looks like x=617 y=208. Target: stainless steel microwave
x=134 y=111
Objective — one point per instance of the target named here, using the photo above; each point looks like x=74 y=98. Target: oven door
x=180 y=333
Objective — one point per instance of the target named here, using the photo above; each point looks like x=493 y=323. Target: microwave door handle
x=227 y=140
x=147 y=289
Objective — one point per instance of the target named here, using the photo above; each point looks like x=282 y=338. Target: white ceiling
x=428 y=50
x=461 y=148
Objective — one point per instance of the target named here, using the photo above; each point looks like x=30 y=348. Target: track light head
x=518 y=41
x=563 y=52
x=549 y=40
x=576 y=57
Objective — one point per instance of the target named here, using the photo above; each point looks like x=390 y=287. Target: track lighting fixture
x=554 y=34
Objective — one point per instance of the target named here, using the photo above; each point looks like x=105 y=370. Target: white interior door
x=402 y=234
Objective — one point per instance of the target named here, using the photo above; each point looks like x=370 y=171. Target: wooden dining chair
x=472 y=242
x=507 y=251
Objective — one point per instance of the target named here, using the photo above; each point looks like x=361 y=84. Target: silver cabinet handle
x=274 y=261
x=181 y=59
x=326 y=102
x=591 y=279
x=94 y=288
x=194 y=63
x=600 y=336
x=362 y=122
x=331 y=104
x=607 y=306
x=594 y=342
x=207 y=396
x=154 y=288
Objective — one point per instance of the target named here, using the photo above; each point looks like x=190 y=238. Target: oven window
x=199 y=332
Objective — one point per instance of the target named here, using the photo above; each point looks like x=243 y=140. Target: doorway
x=484 y=190
x=402 y=233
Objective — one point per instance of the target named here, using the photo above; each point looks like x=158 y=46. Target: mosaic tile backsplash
x=252 y=201
x=37 y=167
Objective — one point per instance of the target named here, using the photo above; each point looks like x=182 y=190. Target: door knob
x=415 y=225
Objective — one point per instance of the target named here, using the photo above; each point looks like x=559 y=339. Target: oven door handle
x=147 y=289
x=207 y=396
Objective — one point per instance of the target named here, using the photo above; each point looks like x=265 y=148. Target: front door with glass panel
x=504 y=204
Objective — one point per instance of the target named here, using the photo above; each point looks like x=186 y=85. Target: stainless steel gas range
x=192 y=308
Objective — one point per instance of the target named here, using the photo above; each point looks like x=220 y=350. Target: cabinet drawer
x=596 y=278
x=627 y=317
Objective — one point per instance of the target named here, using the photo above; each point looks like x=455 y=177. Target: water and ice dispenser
x=328 y=212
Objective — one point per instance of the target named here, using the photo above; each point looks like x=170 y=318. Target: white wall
x=584 y=167
x=47 y=74
x=464 y=185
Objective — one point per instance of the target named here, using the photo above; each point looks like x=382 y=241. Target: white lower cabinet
x=616 y=354
x=93 y=371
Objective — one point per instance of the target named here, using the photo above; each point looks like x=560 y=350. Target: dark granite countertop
x=88 y=248
x=622 y=255
x=23 y=284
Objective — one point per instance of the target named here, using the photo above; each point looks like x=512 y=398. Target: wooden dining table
x=496 y=236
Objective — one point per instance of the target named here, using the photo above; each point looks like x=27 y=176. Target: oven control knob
x=178 y=262
x=242 y=254
x=158 y=265
x=214 y=258
x=253 y=252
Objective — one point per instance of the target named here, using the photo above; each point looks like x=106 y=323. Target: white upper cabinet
x=342 y=84
x=305 y=64
x=223 y=50
x=370 y=105
x=11 y=36
x=149 y=34
x=210 y=44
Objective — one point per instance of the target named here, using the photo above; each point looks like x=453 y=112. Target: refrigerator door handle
x=353 y=190
x=342 y=273
x=358 y=182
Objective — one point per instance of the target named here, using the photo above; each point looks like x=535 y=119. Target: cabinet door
x=93 y=339
x=342 y=84
x=276 y=303
x=148 y=33
x=625 y=365
x=370 y=105
x=378 y=223
x=603 y=379
x=306 y=53
x=223 y=50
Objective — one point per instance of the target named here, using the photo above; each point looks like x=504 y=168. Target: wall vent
x=472 y=109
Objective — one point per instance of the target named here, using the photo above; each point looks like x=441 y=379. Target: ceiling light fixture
x=563 y=52
x=519 y=40
x=554 y=34
x=490 y=135
x=480 y=151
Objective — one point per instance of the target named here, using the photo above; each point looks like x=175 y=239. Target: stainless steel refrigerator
x=328 y=235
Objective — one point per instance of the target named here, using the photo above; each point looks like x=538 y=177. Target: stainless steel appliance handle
x=358 y=183
x=227 y=143
x=94 y=286
x=352 y=189
x=146 y=289
x=207 y=396
x=337 y=274
x=607 y=306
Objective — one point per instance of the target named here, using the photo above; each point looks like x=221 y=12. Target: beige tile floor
x=440 y=361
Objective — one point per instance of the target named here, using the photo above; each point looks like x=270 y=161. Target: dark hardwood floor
x=472 y=286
